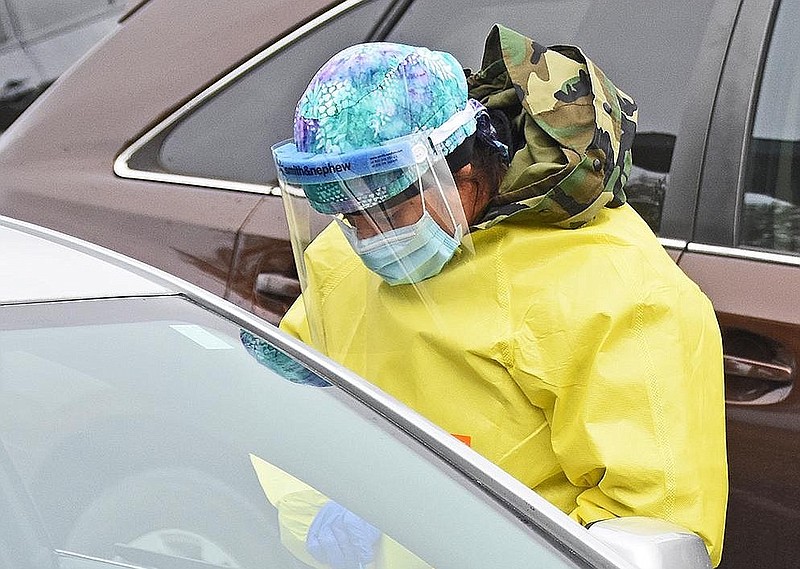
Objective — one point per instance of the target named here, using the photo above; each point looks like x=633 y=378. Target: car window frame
x=680 y=215
x=685 y=174
x=723 y=176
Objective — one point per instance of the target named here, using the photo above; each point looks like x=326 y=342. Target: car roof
x=37 y=265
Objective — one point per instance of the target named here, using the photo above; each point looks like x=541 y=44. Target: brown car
x=157 y=144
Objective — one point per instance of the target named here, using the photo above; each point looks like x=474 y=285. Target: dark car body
x=157 y=144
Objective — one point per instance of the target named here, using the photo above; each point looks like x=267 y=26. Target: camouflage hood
x=573 y=126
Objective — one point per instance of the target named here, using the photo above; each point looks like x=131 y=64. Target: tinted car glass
x=45 y=39
x=19 y=81
x=648 y=53
x=229 y=137
x=770 y=217
x=150 y=430
x=3 y=33
x=38 y=17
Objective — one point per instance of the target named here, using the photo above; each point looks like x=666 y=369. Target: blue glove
x=339 y=538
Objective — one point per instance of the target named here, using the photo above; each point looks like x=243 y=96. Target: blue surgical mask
x=408 y=254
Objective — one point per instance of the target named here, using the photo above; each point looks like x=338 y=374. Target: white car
x=147 y=423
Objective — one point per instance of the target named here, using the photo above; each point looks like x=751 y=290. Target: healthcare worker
x=482 y=266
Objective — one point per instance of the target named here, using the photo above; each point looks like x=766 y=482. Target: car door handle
x=754 y=369
x=277 y=285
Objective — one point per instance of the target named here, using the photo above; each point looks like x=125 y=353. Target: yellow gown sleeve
x=296 y=502
x=633 y=392
x=295 y=323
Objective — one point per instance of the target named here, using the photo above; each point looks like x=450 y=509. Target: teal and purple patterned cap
x=367 y=95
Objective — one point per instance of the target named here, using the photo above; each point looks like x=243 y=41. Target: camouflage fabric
x=576 y=130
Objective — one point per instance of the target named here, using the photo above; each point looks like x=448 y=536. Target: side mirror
x=651 y=543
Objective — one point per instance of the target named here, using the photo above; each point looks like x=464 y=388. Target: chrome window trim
x=121 y=167
x=679 y=244
x=746 y=254
x=555 y=526
x=732 y=252
x=752 y=107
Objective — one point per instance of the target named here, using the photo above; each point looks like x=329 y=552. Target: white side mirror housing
x=651 y=543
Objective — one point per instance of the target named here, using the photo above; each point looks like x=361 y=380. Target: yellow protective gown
x=584 y=363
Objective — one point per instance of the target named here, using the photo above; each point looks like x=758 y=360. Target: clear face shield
x=394 y=209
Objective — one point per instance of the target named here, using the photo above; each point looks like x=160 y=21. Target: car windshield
x=153 y=432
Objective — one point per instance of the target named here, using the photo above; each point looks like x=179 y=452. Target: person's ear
x=471 y=191
x=465 y=180
x=466 y=183
x=465 y=172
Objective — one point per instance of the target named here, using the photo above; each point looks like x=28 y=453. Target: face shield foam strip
x=303 y=168
x=460 y=119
